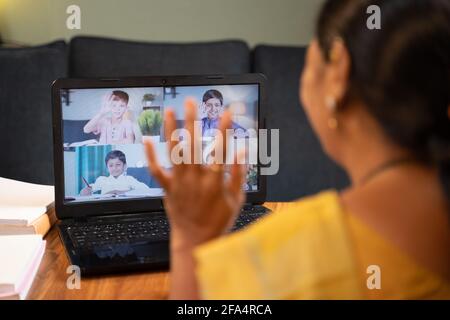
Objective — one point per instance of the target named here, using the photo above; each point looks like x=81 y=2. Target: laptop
x=110 y=208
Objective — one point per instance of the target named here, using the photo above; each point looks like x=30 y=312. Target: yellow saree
x=310 y=249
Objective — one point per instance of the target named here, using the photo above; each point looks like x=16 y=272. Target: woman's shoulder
x=311 y=209
x=311 y=218
x=308 y=222
x=289 y=253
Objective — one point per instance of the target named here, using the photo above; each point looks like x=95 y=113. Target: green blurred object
x=150 y=122
x=148 y=97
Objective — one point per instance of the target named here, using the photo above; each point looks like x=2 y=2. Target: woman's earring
x=333 y=124
x=331 y=104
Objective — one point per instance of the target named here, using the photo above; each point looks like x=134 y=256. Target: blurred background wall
x=282 y=22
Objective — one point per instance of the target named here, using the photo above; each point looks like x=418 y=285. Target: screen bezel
x=111 y=207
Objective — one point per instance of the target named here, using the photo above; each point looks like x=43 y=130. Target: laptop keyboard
x=152 y=228
x=100 y=234
x=248 y=215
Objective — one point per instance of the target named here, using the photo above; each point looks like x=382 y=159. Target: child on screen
x=117 y=183
x=109 y=123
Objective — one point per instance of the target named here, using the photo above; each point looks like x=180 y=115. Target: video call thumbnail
x=104 y=130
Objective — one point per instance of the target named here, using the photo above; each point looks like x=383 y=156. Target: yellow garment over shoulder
x=283 y=257
x=401 y=277
x=304 y=250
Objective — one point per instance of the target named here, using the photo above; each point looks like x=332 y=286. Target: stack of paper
x=25 y=208
x=20 y=258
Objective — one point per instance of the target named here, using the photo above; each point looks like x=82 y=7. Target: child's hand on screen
x=200 y=203
x=86 y=191
x=119 y=192
x=106 y=104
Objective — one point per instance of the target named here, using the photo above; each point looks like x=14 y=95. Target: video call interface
x=104 y=130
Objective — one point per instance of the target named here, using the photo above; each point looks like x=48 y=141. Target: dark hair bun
x=402 y=71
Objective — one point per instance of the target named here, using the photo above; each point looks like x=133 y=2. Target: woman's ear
x=338 y=72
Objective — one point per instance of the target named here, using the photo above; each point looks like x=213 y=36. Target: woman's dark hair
x=116 y=154
x=213 y=94
x=401 y=71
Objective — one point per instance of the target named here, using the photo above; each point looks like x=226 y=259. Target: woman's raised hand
x=199 y=202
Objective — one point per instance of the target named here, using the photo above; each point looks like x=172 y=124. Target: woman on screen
x=212 y=105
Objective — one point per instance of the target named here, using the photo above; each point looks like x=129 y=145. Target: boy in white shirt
x=116 y=183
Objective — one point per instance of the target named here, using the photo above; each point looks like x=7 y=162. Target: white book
x=20 y=257
x=24 y=194
x=27 y=282
x=20 y=216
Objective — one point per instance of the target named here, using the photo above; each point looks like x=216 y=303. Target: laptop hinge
x=82 y=219
x=250 y=205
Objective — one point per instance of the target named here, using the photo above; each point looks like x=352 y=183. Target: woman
x=379 y=102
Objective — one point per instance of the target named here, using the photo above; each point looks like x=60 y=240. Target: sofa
x=26 y=75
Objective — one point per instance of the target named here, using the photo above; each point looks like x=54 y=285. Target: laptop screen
x=104 y=129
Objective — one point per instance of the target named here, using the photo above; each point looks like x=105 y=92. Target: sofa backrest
x=25 y=101
x=101 y=57
x=304 y=168
x=26 y=76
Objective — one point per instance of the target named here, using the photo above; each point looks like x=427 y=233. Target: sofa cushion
x=304 y=168
x=100 y=57
x=26 y=76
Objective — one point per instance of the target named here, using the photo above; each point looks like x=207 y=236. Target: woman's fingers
x=194 y=147
x=154 y=166
x=222 y=141
x=220 y=145
x=238 y=172
x=194 y=134
x=169 y=128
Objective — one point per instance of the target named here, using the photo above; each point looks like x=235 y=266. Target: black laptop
x=110 y=208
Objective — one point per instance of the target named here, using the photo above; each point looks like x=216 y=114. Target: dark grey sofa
x=26 y=75
x=25 y=110
x=304 y=168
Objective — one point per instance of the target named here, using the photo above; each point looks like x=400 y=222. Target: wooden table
x=51 y=279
